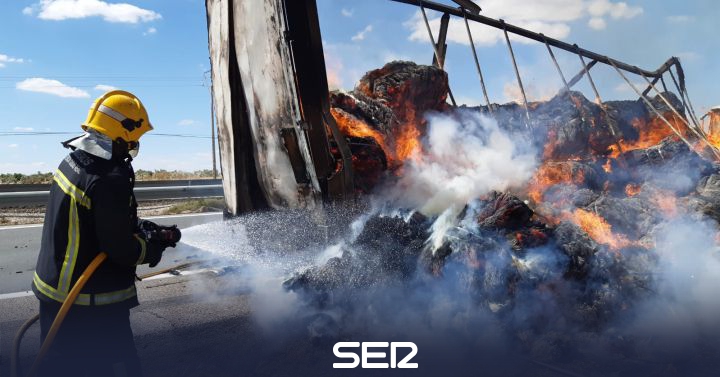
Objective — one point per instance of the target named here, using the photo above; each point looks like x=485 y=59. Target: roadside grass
x=197 y=205
x=162 y=175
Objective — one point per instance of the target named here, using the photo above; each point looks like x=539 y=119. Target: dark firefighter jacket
x=91 y=209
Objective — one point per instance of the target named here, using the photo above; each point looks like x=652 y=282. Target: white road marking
x=11 y=227
x=7 y=296
x=218 y=214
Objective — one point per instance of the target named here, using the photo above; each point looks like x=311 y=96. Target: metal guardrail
x=40 y=197
x=13 y=187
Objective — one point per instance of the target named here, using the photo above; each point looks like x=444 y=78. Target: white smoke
x=687 y=304
x=466 y=316
x=465 y=155
x=489 y=302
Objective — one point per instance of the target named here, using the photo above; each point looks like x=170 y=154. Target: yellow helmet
x=118 y=114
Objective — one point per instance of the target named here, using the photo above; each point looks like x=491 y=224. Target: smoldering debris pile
x=579 y=245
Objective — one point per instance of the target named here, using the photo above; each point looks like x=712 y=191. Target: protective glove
x=153 y=253
x=146 y=226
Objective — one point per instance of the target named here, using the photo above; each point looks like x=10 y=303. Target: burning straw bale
x=389 y=104
x=583 y=176
x=578 y=246
x=670 y=164
x=503 y=211
x=373 y=112
x=633 y=217
x=570 y=121
x=573 y=248
x=510 y=216
x=706 y=199
x=407 y=88
x=384 y=120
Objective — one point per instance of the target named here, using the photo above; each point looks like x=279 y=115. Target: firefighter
x=92 y=209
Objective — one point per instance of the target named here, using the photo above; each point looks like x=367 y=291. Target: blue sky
x=158 y=50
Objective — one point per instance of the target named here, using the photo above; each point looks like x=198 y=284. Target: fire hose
x=65 y=308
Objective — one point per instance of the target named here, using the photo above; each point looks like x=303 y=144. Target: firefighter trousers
x=92 y=341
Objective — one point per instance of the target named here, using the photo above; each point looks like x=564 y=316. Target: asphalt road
x=216 y=321
x=206 y=324
x=199 y=325
x=19 y=247
x=206 y=321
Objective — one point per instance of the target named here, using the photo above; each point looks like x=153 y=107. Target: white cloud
x=597 y=23
x=361 y=35
x=482 y=35
x=538 y=10
x=23 y=129
x=104 y=88
x=54 y=87
x=550 y=17
x=150 y=31
x=4 y=59
x=347 y=12
x=57 y=10
x=8 y=59
x=620 y=10
x=186 y=122
x=679 y=19
x=13 y=145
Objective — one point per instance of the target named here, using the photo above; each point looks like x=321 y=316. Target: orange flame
x=650 y=133
x=407 y=143
x=632 y=189
x=599 y=230
x=550 y=174
x=713 y=132
x=352 y=126
x=607 y=166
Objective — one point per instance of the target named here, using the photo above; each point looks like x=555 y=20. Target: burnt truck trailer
x=274 y=125
x=280 y=146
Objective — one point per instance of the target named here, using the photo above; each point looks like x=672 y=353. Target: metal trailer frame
x=539 y=37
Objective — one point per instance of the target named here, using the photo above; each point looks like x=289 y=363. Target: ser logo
x=374 y=355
